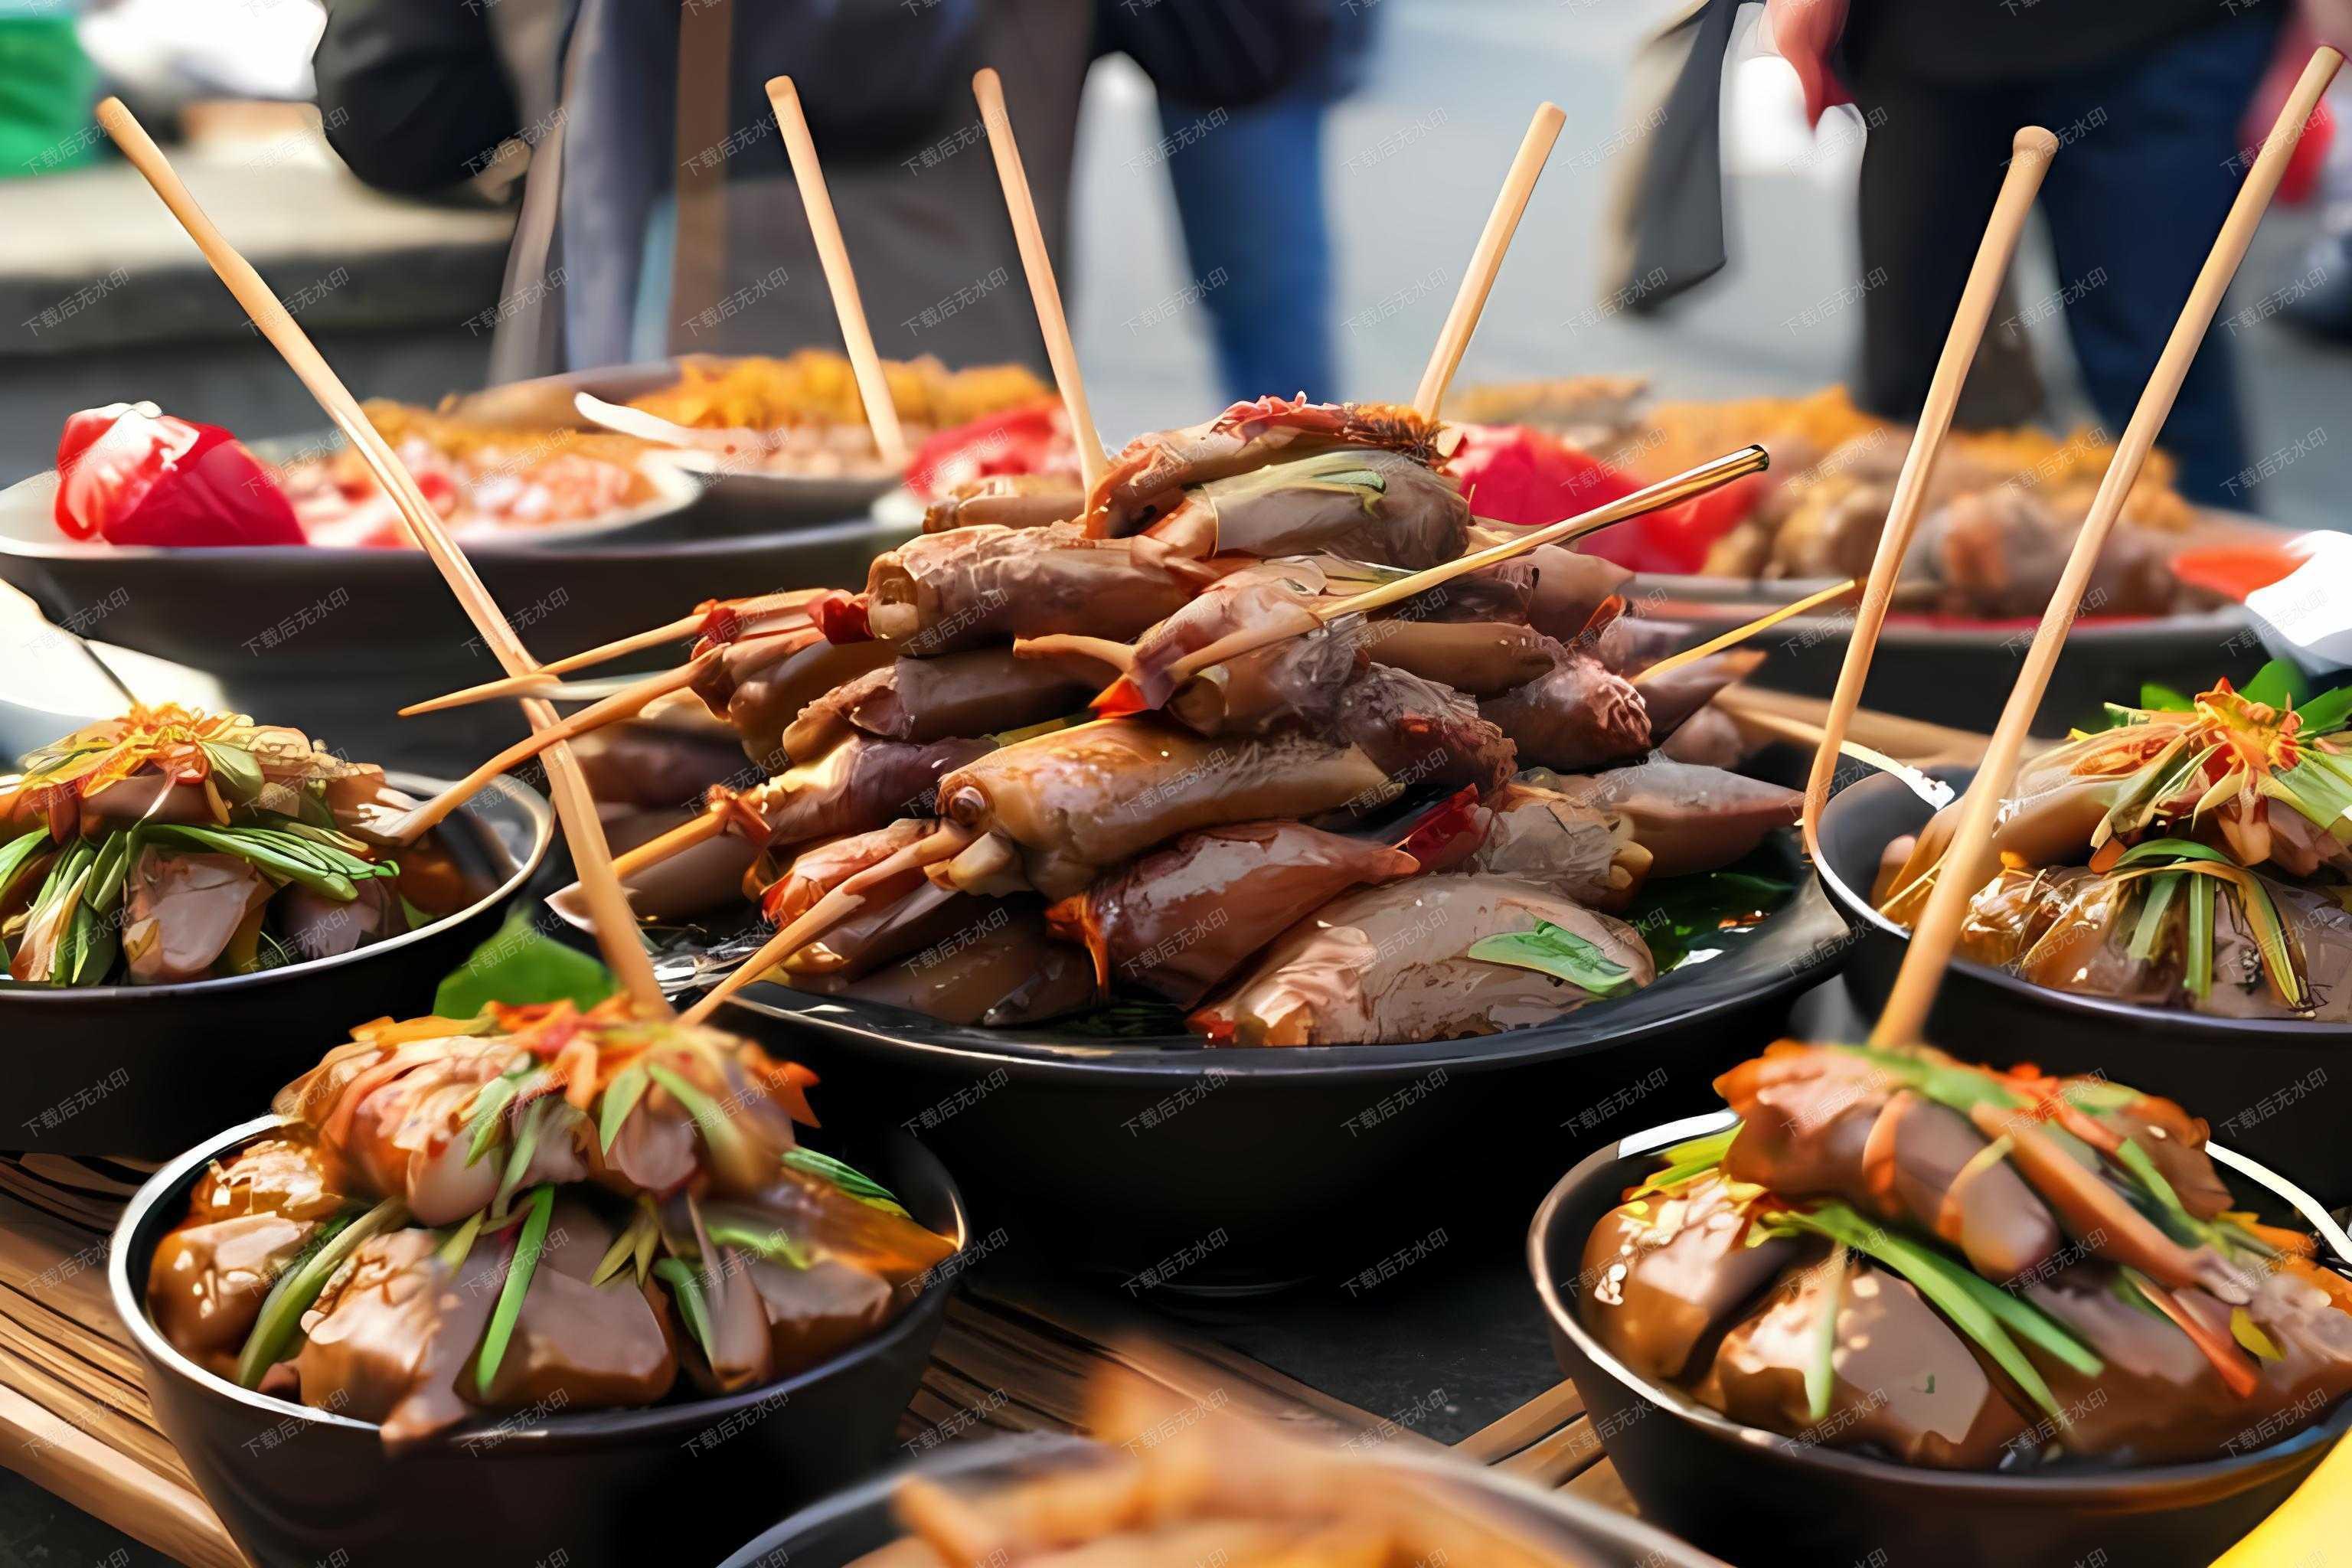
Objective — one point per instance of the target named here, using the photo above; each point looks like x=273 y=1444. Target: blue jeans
x=1250 y=193
x=2149 y=162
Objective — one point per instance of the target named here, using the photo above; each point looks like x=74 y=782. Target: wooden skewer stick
x=616 y=928
x=2031 y=153
x=829 y=911
x=1665 y=493
x=1964 y=864
x=539 y=682
x=1031 y=236
x=873 y=387
x=1741 y=634
x=1487 y=260
x=621 y=705
x=676 y=841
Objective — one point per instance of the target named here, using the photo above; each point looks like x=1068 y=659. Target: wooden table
x=74 y=1417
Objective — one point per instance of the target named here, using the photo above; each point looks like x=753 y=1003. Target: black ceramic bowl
x=1161 y=1163
x=678 y=1483
x=1767 y=1501
x=2266 y=1084
x=838 y=1531
x=145 y=1071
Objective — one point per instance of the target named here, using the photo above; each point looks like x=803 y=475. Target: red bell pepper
x=130 y=474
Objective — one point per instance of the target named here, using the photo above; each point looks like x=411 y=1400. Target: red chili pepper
x=842 y=617
x=1448 y=833
x=130 y=474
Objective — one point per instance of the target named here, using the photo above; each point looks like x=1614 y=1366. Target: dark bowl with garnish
x=145 y=1071
x=1126 y=1148
x=1769 y=1499
x=2265 y=1081
x=681 y=1481
x=843 y=1529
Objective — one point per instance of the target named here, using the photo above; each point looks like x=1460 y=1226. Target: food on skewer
x=170 y=845
x=942 y=796
x=1176 y=1486
x=467 y=1216
x=2192 y=855
x=1898 y=1254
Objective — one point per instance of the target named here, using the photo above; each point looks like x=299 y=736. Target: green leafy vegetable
x=686 y=1286
x=2326 y=713
x=1820 y=1366
x=1558 y=951
x=520 y=1267
x=620 y=1098
x=2277 y=683
x=850 y=1180
x=2162 y=698
x=520 y=967
x=772 y=1245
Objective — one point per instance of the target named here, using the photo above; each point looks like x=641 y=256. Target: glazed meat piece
x=1079 y=801
x=1389 y=963
x=984 y=691
x=598 y=1346
x=818 y=869
x=947 y=592
x=315 y=926
x=1556 y=841
x=1904 y=1383
x=1180 y=920
x=1368 y=505
x=698 y=880
x=1999 y=552
x=999 y=972
x=657 y=766
x=1662 y=1276
x=900 y=915
x=1428 y=739
x=761 y=686
x=1007 y=500
x=1561 y=593
x=1707 y=739
x=1675 y=696
x=1691 y=819
x=1577 y=717
x=1276 y=594
x=180 y=911
x=863 y=783
x=1485 y=659
x=1148 y=477
x=248 y=1219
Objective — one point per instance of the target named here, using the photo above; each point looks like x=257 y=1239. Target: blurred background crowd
x=1249 y=196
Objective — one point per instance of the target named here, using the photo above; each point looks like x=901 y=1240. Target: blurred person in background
x=1242 y=139
x=2149 y=99
x=46 y=87
x=657 y=215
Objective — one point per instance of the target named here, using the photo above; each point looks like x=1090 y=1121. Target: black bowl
x=1769 y=1500
x=677 y=1483
x=144 y=1070
x=1160 y=1163
x=2259 y=1079
x=840 y=1529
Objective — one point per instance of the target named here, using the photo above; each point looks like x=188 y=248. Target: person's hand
x=1803 y=32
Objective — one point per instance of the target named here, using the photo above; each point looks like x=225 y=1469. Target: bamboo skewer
x=1741 y=634
x=1960 y=875
x=1030 y=235
x=1665 y=493
x=615 y=926
x=1487 y=260
x=540 y=681
x=620 y=705
x=2031 y=151
x=856 y=336
x=829 y=911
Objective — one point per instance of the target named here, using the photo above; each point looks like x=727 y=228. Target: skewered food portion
x=2193 y=855
x=2002 y=506
x=1191 y=1486
x=1895 y=1253
x=171 y=844
x=535 y=1205
x=802 y=415
x=1160 y=754
x=481 y=477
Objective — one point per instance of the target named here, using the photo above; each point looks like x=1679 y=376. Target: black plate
x=1252 y=1169
x=263 y=615
x=1960 y=673
x=672 y=1484
x=838 y=1531
x=2262 y=1082
x=144 y=1070
x=1770 y=1501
